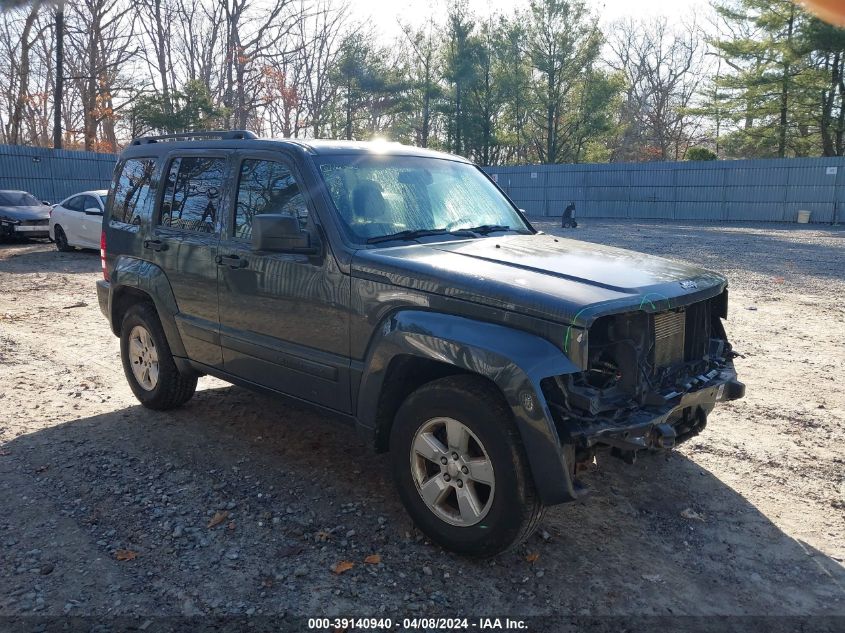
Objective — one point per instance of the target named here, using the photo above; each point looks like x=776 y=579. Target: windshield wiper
x=412 y=234
x=408 y=234
x=484 y=229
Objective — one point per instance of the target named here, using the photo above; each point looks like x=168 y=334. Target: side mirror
x=280 y=233
x=93 y=211
x=46 y=203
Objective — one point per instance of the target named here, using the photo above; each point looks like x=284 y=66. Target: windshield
x=384 y=195
x=18 y=199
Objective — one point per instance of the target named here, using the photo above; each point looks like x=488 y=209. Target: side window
x=89 y=202
x=192 y=193
x=134 y=191
x=266 y=186
x=74 y=204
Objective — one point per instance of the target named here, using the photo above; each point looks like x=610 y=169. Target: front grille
x=669 y=330
x=33 y=222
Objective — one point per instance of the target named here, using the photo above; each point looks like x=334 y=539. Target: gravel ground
x=106 y=508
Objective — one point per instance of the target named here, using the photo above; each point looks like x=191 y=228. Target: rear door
x=284 y=317
x=184 y=241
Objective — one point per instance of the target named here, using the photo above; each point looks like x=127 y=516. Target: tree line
x=545 y=82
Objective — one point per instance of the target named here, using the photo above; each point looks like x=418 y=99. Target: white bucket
x=803 y=217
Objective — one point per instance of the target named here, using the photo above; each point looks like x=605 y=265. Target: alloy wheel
x=144 y=357
x=452 y=471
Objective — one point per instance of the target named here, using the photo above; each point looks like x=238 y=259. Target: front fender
x=138 y=274
x=516 y=361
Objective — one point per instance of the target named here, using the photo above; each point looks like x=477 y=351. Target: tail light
x=103 y=255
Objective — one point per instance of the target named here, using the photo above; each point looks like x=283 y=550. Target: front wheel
x=460 y=467
x=148 y=364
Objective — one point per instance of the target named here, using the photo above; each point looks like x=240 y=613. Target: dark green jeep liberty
x=400 y=289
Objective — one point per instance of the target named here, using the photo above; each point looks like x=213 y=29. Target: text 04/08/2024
x=421 y=623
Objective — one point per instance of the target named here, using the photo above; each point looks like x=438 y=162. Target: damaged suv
x=402 y=291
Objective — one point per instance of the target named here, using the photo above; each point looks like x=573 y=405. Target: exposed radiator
x=669 y=330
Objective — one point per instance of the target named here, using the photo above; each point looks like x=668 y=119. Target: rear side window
x=134 y=191
x=192 y=194
x=266 y=186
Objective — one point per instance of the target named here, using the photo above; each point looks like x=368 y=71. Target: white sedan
x=77 y=221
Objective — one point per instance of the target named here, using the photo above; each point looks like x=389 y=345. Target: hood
x=38 y=212
x=549 y=277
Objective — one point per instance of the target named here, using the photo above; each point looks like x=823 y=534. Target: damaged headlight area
x=650 y=380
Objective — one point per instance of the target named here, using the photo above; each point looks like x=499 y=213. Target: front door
x=284 y=317
x=73 y=212
x=184 y=241
x=92 y=222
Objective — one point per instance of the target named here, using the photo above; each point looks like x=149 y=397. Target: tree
x=459 y=71
x=514 y=78
x=563 y=42
x=101 y=37
x=320 y=37
x=828 y=73
x=662 y=69
x=23 y=67
x=254 y=32
x=767 y=53
x=700 y=153
x=422 y=68
x=188 y=110
x=58 y=93
x=157 y=18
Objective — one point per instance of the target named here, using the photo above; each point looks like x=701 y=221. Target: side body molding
x=130 y=272
x=516 y=361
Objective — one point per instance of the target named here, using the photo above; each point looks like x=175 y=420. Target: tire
x=143 y=345
x=61 y=240
x=503 y=513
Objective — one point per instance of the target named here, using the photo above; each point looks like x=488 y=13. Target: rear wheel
x=148 y=363
x=460 y=467
x=61 y=240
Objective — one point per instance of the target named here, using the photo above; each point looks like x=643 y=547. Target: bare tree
x=320 y=36
x=196 y=44
x=156 y=18
x=663 y=69
x=23 y=66
x=101 y=36
x=253 y=32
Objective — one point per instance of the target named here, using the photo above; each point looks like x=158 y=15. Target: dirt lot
x=748 y=518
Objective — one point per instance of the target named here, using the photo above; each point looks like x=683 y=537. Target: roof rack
x=223 y=135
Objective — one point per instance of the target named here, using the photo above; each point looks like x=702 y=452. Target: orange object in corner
x=831 y=11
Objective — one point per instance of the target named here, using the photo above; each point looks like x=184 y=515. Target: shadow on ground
x=42 y=257
x=301 y=494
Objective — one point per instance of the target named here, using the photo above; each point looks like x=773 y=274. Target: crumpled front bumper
x=661 y=426
x=25 y=228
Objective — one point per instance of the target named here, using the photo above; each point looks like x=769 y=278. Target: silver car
x=23 y=215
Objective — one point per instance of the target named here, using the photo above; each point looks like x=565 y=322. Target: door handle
x=156 y=245
x=232 y=261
